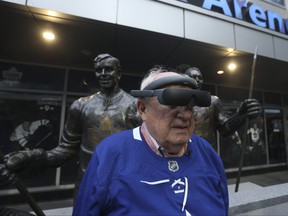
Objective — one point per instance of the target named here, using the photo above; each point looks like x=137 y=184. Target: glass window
x=29 y=121
x=128 y=82
x=232 y=95
x=230 y=148
x=275 y=135
x=82 y=82
x=255 y=152
x=210 y=88
x=285 y=99
x=31 y=77
x=272 y=98
x=254 y=137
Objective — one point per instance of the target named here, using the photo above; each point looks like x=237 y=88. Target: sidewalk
x=276 y=210
x=258 y=192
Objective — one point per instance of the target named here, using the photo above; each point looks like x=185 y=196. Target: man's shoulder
x=196 y=138
x=117 y=140
x=121 y=134
x=201 y=143
x=205 y=149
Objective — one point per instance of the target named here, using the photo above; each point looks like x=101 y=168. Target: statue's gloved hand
x=6 y=176
x=250 y=107
x=20 y=159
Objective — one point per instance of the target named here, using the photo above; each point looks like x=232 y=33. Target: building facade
x=40 y=80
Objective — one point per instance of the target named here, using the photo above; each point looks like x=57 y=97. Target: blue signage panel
x=249 y=12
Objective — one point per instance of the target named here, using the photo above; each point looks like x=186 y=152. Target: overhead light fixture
x=220 y=72
x=230 y=50
x=51 y=13
x=48 y=35
x=232 y=66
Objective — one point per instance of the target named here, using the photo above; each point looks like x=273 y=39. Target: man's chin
x=180 y=139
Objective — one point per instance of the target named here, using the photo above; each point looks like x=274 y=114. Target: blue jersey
x=126 y=177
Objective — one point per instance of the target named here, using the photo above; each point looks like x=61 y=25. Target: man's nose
x=185 y=113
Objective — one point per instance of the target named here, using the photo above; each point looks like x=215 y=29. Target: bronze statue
x=210 y=119
x=90 y=119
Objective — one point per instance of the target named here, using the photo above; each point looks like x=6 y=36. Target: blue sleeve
x=89 y=197
x=222 y=175
x=218 y=165
x=93 y=197
x=224 y=190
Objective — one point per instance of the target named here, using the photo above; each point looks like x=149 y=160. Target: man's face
x=169 y=126
x=195 y=74
x=106 y=74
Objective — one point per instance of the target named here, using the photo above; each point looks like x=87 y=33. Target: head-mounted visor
x=177 y=96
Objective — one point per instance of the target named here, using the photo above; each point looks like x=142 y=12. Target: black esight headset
x=175 y=96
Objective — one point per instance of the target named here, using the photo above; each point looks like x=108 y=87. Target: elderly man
x=159 y=168
x=90 y=119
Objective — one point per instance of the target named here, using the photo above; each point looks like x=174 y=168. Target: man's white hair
x=155 y=74
x=152 y=76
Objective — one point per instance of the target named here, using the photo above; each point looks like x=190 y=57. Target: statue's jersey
x=95 y=117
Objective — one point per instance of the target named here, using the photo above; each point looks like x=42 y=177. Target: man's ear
x=141 y=106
